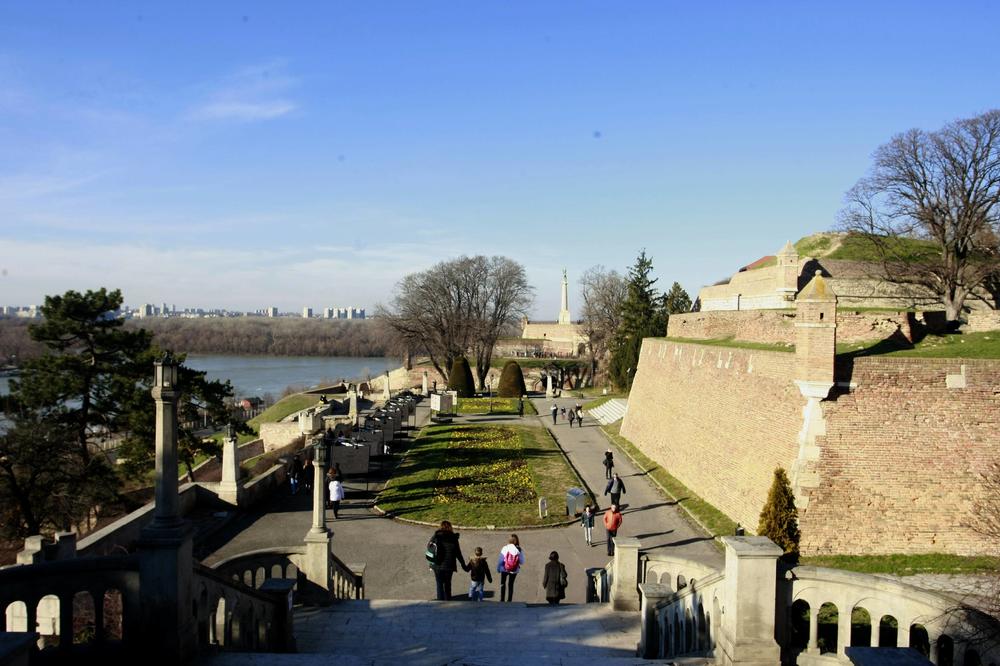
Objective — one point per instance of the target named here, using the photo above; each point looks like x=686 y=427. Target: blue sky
x=249 y=154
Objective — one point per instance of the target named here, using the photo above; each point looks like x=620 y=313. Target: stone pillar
x=386 y=390
x=625 y=584
x=316 y=565
x=564 y=308
x=747 y=631
x=788 y=272
x=649 y=638
x=165 y=553
x=229 y=487
x=352 y=407
x=424 y=391
x=813 y=647
x=548 y=386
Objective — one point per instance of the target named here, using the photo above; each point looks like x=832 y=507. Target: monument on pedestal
x=229 y=487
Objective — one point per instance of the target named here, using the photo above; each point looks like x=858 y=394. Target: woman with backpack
x=508 y=565
x=445 y=556
x=555 y=579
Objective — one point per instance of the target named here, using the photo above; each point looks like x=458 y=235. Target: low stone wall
x=279 y=435
x=124 y=532
x=262 y=485
x=983 y=320
x=249 y=450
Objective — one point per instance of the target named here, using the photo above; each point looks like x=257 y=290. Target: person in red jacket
x=612 y=522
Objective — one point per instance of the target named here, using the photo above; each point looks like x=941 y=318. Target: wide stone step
x=611 y=411
x=456 y=632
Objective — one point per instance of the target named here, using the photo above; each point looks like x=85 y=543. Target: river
x=257 y=375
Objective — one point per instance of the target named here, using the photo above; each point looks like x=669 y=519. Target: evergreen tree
x=460 y=378
x=511 y=381
x=779 y=519
x=641 y=316
x=677 y=301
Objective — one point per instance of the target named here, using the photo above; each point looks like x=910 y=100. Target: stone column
x=747 y=632
x=316 y=566
x=843 y=630
x=548 y=386
x=165 y=553
x=229 y=487
x=649 y=640
x=813 y=647
x=625 y=585
x=386 y=390
x=352 y=406
x=424 y=391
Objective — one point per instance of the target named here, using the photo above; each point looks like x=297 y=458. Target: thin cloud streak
x=252 y=94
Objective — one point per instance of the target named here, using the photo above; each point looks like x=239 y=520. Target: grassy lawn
x=591 y=392
x=730 y=342
x=907 y=565
x=499 y=406
x=703 y=513
x=985 y=344
x=479 y=476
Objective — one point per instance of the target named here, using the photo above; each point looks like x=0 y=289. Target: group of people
x=444 y=555
x=612 y=523
x=574 y=413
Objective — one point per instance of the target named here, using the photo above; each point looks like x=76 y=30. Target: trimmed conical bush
x=779 y=520
x=460 y=378
x=511 y=381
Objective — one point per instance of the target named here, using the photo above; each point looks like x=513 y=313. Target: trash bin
x=576 y=499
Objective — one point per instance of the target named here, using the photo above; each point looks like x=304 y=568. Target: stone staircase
x=425 y=633
x=611 y=411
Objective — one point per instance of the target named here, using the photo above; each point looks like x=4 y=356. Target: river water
x=257 y=375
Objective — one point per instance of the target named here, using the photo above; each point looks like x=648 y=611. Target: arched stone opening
x=945 y=650
x=113 y=615
x=919 y=640
x=219 y=622
x=47 y=621
x=84 y=621
x=702 y=622
x=861 y=627
x=688 y=631
x=17 y=616
x=828 y=616
x=888 y=632
x=799 y=626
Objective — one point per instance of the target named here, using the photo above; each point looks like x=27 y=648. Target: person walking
x=520 y=407
x=294 y=472
x=554 y=581
x=615 y=488
x=612 y=523
x=479 y=572
x=579 y=415
x=336 y=495
x=447 y=559
x=587 y=520
x=555 y=412
x=509 y=565
x=308 y=471
x=609 y=463
x=572 y=417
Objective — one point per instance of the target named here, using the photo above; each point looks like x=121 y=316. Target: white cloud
x=256 y=93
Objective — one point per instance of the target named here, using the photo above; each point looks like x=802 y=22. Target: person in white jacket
x=336 y=494
x=508 y=565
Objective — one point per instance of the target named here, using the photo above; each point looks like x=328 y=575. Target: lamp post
x=165 y=394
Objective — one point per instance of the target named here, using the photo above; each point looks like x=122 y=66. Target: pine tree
x=640 y=316
x=511 y=381
x=677 y=301
x=779 y=519
x=460 y=378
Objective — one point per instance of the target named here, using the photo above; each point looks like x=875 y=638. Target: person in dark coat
x=554 y=581
x=448 y=560
x=609 y=463
x=615 y=488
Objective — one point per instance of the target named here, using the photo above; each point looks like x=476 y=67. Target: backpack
x=433 y=553
x=511 y=560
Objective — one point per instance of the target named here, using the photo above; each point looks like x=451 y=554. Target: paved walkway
x=394 y=552
x=421 y=633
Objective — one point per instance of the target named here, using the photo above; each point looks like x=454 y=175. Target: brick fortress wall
x=898 y=464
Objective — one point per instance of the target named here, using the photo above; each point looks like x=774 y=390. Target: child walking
x=479 y=571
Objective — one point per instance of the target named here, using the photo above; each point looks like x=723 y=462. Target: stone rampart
x=778 y=326
x=746 y=290
x=901 y=457
x=983 y=320
x=279 y=435
x=897 y=464
x=720 y=419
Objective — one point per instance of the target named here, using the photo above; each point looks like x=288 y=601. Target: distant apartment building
x=329 y=313
x=307 y=313
x=271 y=311
x=145 y=310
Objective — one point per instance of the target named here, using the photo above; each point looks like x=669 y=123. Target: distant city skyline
x=252 y=156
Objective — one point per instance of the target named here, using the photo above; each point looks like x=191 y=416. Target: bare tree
x=603 y=293
x=942 y=188
x=458 y=307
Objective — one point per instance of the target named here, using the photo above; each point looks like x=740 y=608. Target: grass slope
x=480 y=476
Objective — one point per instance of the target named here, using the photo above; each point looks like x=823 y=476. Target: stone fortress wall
x=878 y=445
x=900 y=456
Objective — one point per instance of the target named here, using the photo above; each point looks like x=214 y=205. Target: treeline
x=233 y=335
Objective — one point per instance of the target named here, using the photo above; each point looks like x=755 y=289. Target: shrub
x=511 y=381
x=779 y=520
x=460 y=378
